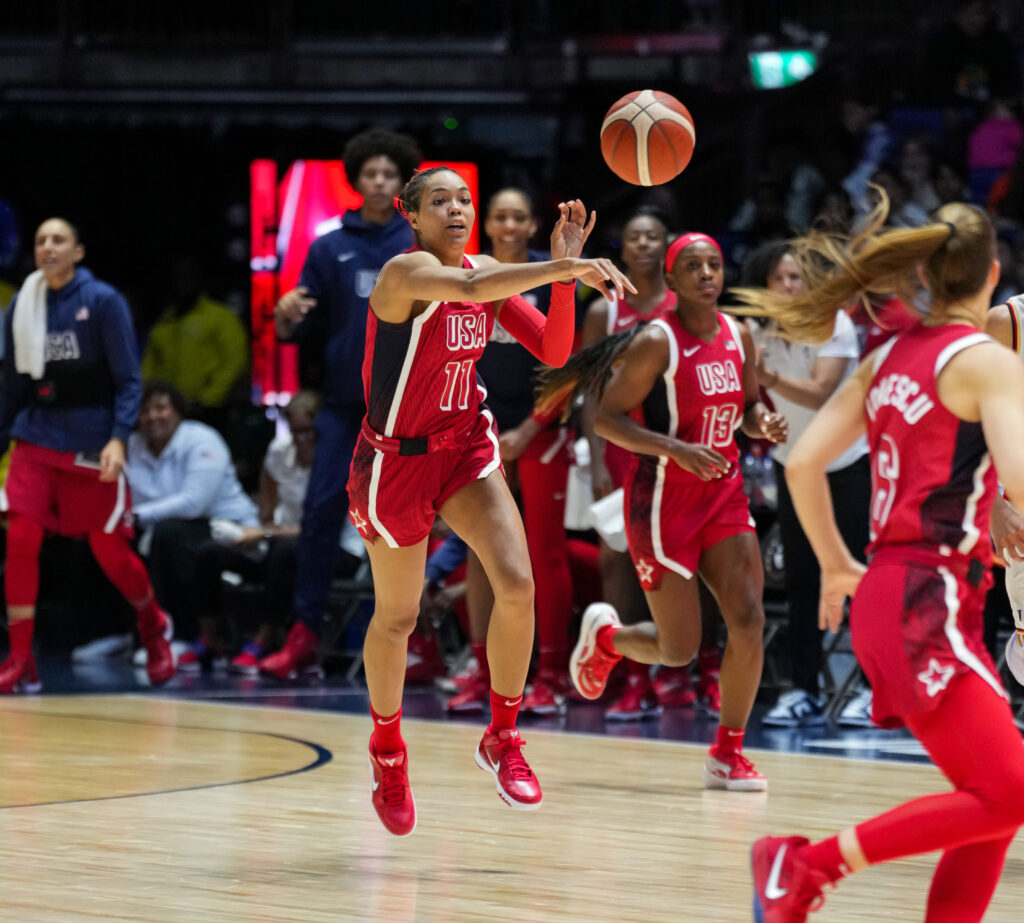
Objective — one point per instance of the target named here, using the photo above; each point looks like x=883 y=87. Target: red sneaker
x=673 y=687
x=423 y=663
x=785 y=889
x=709 y=696
x=17 y=676
x=247 y=661
x=201 y=656
x=499 y=754
x=392 y=797
x=159 y=659
x=298 y=657
x=637 y=702
x=589 y=665
x=543 y=697
x=733 y=772
x=472 y=698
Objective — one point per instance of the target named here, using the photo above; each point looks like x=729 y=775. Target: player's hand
x=512 y=443
x=112 y=460
x=571 y=230
x=294 y=305
x=1007 y=528
x=701 y=460
x=600 y=480
x=836 y=584
x=774 y=427
x=603 y=276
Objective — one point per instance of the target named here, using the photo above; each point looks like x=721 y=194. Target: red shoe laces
x=393 y=784
x=515 y=765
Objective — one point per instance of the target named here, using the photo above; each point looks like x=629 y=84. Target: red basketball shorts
x=64 y=494
x=915 y=626
x=669 y=524
x=397 y=496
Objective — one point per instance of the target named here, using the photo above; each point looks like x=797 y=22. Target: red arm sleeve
x=548 y=338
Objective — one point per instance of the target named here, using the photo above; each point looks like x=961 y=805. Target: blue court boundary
x=323 y=757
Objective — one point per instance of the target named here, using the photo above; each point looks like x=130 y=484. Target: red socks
x=504 y=711
x=605 y=642
x=387 y=732
x=729 y=740
x=20 y=633
x=826 y=857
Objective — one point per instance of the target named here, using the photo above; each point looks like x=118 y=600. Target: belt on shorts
x=421 y=445
x=972 y=570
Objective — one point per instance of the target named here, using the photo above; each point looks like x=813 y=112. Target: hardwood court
x=144 y=809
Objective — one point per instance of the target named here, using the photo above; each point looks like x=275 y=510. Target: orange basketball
x=647 y=137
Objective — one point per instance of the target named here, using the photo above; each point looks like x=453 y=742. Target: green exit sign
x=773 y=69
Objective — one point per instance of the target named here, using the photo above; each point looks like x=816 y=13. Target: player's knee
x=516 y=589
x=746 y=616
x=677 y=652
x=396 y=624
x=24 y=537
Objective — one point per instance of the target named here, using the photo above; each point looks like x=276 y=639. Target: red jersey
x=932 y=478
x=419 y=377
x=622 y=315
x=700 y=398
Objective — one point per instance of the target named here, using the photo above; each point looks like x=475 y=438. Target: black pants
x=173 y=564
x=851 y=497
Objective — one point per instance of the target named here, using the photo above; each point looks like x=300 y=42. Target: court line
x=323 y=757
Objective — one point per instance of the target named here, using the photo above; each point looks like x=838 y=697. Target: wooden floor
x=142 y=809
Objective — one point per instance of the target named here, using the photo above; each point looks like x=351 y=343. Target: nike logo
x=390 y=720
x=689 y=352
x=390 y=762
x=772 y=891
x=374 y=785
x=513 y=704
x=345 y=257
x=494 y=765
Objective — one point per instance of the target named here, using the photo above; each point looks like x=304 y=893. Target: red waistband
x=971 y=569
x=420 y=445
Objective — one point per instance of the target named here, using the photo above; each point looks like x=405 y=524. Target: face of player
x=509 y=224
x=643 y=245
x=785 y=277
x=445 y=215
x=157 y=422
x=57 y=251
x=379 y=183
x=697 y=275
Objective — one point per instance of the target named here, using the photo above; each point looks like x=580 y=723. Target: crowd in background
x=220 y=487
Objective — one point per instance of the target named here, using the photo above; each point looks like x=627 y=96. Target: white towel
x=29 y=326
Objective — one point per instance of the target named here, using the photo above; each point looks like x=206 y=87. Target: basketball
x=647 y=137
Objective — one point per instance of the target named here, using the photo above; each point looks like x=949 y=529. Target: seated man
x=182 y=480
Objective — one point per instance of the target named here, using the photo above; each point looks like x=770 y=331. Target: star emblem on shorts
x=936 y=677
x=644 y=571
x=358 y=521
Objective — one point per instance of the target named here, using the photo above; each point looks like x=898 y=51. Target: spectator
x=949 y=183
x=198 y=345
x=835 y=212
x=330 y=306
x=185 y=490
x=903 y=213
x=799 y=378
x=992 y=149
x=915 y=158
x=70 y=398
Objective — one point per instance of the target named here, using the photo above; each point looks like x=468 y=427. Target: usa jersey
x=699 y=398
x=932 y=478
x=419 y=377
x=622 y=315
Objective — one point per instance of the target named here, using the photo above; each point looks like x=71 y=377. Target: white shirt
x=192 y=478
x=796 y=360
x=292 y=480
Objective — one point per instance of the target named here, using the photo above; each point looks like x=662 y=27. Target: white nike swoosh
x=375 y=785
x=491 y=763
x=515 y=703
x=689 y=352
x=345 y=257
x=390 y=720
x=772 y=890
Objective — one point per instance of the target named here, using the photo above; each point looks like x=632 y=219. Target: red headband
x=682 y=242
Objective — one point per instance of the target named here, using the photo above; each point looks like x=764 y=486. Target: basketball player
x=691 y=375
x=644 y=241
x=1004 y=325
x=72 y=389
x=428 y=446
x=329 y=307
x=929 y=400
